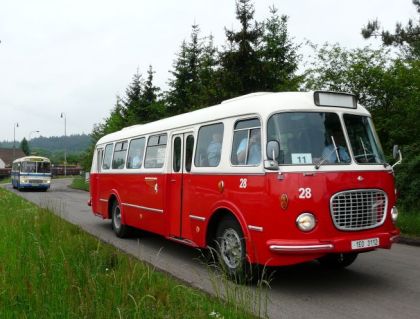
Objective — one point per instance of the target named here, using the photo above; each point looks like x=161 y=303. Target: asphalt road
x=381 y=284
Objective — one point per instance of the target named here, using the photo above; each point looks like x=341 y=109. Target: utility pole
x=15 y=125
x=63 y=116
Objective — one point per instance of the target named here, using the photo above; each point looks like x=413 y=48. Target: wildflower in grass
x=215 y=314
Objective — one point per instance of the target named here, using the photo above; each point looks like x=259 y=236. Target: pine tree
x=407 y=38
x=153 y=108
x=185 y=87
x=279 y=56
x=211 y=90
x=24 y=146
x=240 y=62
x=133 y=111
x=117 y=119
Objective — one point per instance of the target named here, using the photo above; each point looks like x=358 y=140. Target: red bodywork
x=181 y=206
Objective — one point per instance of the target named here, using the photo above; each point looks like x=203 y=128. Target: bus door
x=182 y=152
x=95 y=184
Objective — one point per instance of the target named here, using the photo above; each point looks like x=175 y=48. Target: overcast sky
x=76 y=56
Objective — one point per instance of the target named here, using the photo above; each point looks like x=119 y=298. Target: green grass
x=52 y=269
x=6 y=180
x=409 y=223
x=80 y=183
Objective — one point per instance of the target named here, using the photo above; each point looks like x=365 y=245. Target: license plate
x=365 y=243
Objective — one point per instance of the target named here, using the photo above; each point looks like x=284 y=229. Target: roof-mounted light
x=334 y=99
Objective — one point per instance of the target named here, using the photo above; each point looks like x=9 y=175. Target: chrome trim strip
x=155 y=210
x=103 y=200
x=201 y=219
x=256 y=228
x=183 y=241
x=297 y=248
x=150 y=178
x=393 y=239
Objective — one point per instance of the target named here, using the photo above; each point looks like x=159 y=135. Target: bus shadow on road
x=310 y=277
x=313 y=278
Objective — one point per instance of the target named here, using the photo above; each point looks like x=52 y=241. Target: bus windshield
x=318 y=138
x=363 y=140
x=308 y=138
x=35 y=167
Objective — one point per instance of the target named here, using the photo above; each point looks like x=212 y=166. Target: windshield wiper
x=335 y=150
x=324 y=158
x=364 y=148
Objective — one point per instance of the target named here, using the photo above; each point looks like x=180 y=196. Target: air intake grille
x=359 y=209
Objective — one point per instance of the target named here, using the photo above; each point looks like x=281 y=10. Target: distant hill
x=74 y=143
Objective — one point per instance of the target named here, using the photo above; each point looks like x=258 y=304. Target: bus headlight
x=306 y=222
x=394 y=214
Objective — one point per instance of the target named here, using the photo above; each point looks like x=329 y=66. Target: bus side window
x=135 y=153
x=120 y=150
x=189 y=148
x=155 y=151
x=106 y=164
x=209 y=145
x=99 y=155
x=176 y=165
x=246 y=148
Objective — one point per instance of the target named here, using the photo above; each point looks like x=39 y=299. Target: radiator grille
x=35 y=181
x=359 y=209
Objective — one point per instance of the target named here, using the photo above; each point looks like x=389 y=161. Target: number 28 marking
x=243 y=183
x=305 y=193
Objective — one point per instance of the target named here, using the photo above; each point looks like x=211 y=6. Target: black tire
x=231 y=250
x=119 y=228
x=338 y=261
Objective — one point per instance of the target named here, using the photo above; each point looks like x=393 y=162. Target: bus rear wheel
x=231 y=250
x=338 y=261
x=119 y=228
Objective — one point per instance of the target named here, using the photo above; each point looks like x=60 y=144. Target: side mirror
x=396 y=153
x=273 y=151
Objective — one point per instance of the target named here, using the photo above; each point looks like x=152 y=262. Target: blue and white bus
x=31 y=172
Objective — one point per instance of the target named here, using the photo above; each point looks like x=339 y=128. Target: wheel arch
x=226 y=211
x=114 y=197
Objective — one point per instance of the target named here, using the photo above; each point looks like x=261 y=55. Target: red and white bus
x=273 y=178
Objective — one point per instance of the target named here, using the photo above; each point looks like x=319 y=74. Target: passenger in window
x=136 y=162
x=214 y=149
x=335 y=146
x=254 y=147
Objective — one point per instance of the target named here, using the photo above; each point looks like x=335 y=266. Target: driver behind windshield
x=335 y=150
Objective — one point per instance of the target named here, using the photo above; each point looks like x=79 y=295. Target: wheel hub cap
x=231 y=248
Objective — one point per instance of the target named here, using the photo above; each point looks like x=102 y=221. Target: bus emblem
x=284 y=201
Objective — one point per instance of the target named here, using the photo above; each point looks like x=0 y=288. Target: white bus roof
x=262 y=103
x=31 y=159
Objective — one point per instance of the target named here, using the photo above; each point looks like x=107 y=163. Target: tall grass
x=52 y=269
x=251 y=292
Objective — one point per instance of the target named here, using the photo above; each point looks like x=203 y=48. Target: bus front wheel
x=119 y=228
x=231 y=249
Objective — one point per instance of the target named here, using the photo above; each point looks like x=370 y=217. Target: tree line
x=262 y=56
x=53 y=147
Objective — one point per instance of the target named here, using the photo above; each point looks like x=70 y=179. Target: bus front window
x=28 y=167
x=363 y=140
x=308 y=138
x=36 y=167
x=43 y=167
